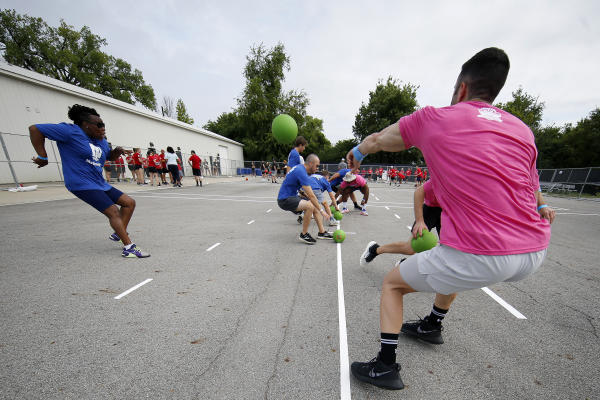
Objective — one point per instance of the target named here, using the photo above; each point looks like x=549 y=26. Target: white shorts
x=446 y=270
x=319 y=195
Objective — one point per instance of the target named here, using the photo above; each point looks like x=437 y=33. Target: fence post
x=586 y=179
x=12 y=171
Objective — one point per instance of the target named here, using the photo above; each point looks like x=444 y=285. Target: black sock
x=437 y=316
x=389 y=342
x=355 y=203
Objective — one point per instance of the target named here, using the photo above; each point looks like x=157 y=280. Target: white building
x=28 y=98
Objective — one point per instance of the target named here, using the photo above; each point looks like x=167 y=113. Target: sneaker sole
x=363 y=258
x=324 y=238
x=306 y=241
x=134 y=256
x=374 y=382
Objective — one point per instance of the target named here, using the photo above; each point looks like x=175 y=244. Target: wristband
x=542 y=206
x=43 y=158
x=358 y=156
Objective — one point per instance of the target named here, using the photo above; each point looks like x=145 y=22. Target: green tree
x=527 y=108
x=262 y=99
x=582 y=143
x=339 y=150
x=182 y=114
x=71 y=56
x=390 y=101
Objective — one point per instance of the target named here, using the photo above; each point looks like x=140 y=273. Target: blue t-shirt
x=293 y=158
x=82 y=156
x=320 y=183
x=294 y=180
x=339 y=179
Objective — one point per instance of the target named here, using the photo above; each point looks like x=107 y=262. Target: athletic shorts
x=335 y=188
x=446 y=270
x=196 y=172
x=137 y=167
x=289 y=204
x=107 y=169
x=131 y=167
x=99 y=199
x=165 y=170
x=433 y=218
x=319 y=195
x=152 y=169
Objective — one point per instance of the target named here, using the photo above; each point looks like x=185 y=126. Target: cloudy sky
x=195 y=50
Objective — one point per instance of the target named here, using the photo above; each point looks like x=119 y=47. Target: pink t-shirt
x=358 y=182
x=430 y=199
x=483 y=163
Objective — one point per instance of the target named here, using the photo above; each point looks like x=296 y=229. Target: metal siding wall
x=24 y=103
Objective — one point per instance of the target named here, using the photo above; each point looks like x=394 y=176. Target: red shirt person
x=196 y=162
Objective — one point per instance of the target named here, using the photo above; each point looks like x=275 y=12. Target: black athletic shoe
x=379 y=374
x=325 y=235
x=299 y=219
x=306 y=238
x=368 y=255
x=424 y=330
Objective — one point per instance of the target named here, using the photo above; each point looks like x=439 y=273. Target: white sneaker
x=332 y=222
x=363 y=258
x=345 y=211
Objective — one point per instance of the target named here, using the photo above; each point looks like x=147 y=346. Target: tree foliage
x=70 y=55
x=390 y=101
x=262 y=99
x=182 y=114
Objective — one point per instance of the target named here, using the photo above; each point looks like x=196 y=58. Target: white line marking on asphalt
x=387 y=208
x=397 y=216
x=139 y=285
x=269 y=210
x=213 y=246
x=503 y=303
x=574 y=214
x=344 y=362
x=251 y=222
x=376 y=198
x=409 y=227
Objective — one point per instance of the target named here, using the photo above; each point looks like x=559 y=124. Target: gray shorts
x=319 y=195
x=446 y=270
x=289 y=204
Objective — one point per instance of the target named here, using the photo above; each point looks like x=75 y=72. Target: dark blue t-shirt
x=82 y=156
x=294 y=180
x=293 y=158
x=320 y=183
x=339 y=179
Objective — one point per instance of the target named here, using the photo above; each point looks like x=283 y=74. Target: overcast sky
x=195 y=50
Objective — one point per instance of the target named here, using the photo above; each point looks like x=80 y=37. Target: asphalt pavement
x=233 y=306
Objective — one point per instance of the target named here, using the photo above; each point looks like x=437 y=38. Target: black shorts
x=137 y=167
x=196 y=172
x=165 y=170
x=289 y=204
x=152 y=169
x=99 y=199
x=433 y=218
x=131 y=167
x=107 y=169
x=335 y=188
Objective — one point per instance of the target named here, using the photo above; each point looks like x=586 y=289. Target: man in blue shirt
x=321 y=185
x=288 y=200
x=83 y=150
x=294 y=157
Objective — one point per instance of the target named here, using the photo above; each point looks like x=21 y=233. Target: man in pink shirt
x=351 y=183
x=482 y=160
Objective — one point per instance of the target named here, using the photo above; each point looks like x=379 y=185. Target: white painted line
x=574 y=214
x=139 y=285
x=269 y=210
x=344 y=362
x=397 y=216
x=503 y=303
x=409 y=227
x=213 y=246
x=251 y=222
x=376 y=198
x=387 y=208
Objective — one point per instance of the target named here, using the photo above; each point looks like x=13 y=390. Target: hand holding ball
x=424 y=242
x=284 y=129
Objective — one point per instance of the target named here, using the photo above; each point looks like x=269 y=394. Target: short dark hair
x=300 y=141
x=170 y=149
x=485 y=73
x=78 y=113
x=325 y=172
x=193 y=152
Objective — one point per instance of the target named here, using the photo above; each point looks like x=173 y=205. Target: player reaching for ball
x=321 y=185
x=83 y=150
x=288 y=199
x=350 y=184
x=491 y=235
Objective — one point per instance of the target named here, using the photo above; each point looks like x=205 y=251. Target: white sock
x=128 y=247
x=343 y=205
x=364 y=207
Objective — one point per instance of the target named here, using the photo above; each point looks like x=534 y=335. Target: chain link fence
x=17 y=168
